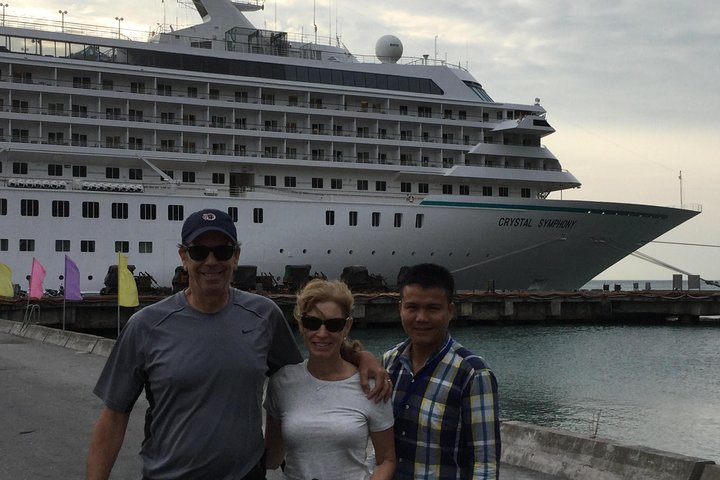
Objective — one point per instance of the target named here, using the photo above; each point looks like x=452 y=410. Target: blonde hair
x=318 y=290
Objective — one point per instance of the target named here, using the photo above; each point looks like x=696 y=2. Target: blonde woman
x=318 y=418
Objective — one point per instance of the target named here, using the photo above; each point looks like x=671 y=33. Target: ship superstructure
x=107 y=144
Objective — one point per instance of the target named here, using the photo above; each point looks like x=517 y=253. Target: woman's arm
x=384 y=444
x=274 y=446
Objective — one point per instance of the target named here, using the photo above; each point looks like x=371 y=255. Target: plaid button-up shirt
x=447 y=423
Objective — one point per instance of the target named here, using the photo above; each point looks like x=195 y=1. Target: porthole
x=282 y=250
x=349 y=252
x=432 y=254
x=392 y=253
x=329 y=252
x=304 y=250
x=372 y=253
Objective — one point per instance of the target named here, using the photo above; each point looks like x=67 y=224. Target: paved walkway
x=48 y=411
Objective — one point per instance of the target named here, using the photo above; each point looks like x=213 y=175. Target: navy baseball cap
x=208 y=220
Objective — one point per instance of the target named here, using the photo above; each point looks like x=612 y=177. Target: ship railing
x=361 y=107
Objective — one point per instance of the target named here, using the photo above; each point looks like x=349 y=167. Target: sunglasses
x=220 y=252
x=331 y=324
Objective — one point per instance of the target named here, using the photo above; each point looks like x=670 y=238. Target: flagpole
x=64 y=312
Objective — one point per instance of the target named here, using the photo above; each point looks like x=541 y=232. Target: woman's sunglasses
x=220 y=252
x=331 y=324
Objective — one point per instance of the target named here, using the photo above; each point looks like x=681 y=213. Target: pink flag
x=37 y=276
x=72 y=280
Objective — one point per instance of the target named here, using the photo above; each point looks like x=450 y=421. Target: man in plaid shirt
x=445 y=398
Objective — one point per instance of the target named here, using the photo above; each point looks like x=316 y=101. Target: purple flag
x=72 y=280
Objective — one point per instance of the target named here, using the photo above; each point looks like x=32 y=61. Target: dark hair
x=428 y=275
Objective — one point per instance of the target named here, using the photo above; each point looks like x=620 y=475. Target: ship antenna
x=681 y=192
x=314 y=24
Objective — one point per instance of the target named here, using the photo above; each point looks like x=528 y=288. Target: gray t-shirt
x=203 y=376
x=325 y=424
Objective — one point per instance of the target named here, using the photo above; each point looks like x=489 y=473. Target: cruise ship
x=322 y=157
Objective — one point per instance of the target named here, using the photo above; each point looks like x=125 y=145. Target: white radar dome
x=388 y=49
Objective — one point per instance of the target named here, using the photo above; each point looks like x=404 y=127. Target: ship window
x=119 y=210
x=348 y=79
x=525 y=193
x=329 y=217
x=3 y=206
x=112 y=172
x=192 y=92
x=270 y=180
x=137 y=87
x=233 y=212
x=403 y=84
x=122 y=246
x=314 y=75
x=291 y=182
x=503 y=191
x=60 y=208
x=487 y=191
x=375 y=219
x=214 y=94
x=218 y=178
x=91 y=210
x=447 y=189
x=423 y=188
x=380 y=186
x=317 y=182
x=392 y=82
x=353 y=219
x=405 y=187
x=148 y=211
x=257 y=215
x=359 y=79
x=79 y=171
x=337 y=77
x=241 y=97
x=87 y=246
x=176 y=213
x=4 y=244
x=382 y=81
x=336 y=183
x=145 y=247
x=27 y=245
x=20 y=168
x=464 y=190
x=419 y=219
x=62 y=245
x=55 y=170
x=29 y=208
x=188 y=177
x=135 y=173
x=462 y=114
x=397 y=220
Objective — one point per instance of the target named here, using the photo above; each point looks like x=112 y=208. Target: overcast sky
x=632 y=87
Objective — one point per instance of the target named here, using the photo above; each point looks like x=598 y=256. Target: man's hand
x=369 y=367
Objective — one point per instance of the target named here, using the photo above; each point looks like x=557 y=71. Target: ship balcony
x=528 y=125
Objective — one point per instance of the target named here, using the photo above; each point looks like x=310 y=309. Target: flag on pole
x=72 y=280
x=37 y=277
x=6 y=285
x=127 y=288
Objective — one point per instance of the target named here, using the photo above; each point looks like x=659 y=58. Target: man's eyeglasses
x=331 y=324
x=220 y=252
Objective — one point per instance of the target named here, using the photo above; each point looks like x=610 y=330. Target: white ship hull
x=514 y=244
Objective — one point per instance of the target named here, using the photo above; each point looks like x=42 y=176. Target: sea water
x=657 y=386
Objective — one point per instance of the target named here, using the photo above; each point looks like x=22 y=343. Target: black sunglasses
x=220 y=252
x=331 y=324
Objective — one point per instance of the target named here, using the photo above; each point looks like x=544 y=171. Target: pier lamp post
x=3 y=17
x=119 y=19
x=62 y=19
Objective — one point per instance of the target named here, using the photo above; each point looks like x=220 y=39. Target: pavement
x=48 y=411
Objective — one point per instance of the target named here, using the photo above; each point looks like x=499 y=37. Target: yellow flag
x=127 y=288
x=6 y=286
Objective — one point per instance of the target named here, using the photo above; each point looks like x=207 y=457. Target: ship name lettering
x=514 y=222
x=556 y=223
